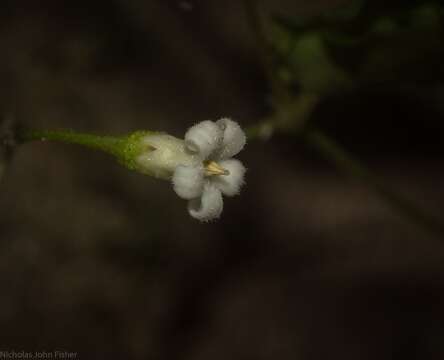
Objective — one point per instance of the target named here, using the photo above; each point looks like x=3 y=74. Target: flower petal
x=188 y=181
x=230 y=184
x=203 y=138
x=209 y=206
x=234 y=138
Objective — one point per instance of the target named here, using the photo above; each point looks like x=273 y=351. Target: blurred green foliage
x=361 y=44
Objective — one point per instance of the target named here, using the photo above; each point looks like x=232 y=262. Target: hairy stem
x=108 y=144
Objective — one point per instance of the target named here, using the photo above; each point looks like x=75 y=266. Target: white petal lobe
x=234 y=138
x=231 y=184
x=188 y=181
x=203 y=138
x=209 y=206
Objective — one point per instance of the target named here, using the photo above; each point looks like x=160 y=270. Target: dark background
x=305 y=264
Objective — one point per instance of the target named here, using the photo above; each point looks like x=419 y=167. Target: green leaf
x=313 y=67
x=425 y=17
x=345 y=12
x=397 y=42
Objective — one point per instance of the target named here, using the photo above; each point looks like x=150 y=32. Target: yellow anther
x=213 y=168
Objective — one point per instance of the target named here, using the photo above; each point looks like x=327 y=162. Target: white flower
x=212 y=172
x=200 y=166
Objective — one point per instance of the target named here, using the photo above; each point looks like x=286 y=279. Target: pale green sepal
x=131 y=147
x=158 y=154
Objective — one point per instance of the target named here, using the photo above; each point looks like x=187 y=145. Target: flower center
x=213 y=168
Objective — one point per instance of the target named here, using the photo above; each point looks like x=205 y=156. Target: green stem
x=289 y=118
x=257 y=23
x=292 y=115
x=333 y=152
x=108 y=144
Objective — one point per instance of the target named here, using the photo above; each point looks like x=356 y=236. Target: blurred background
x=306 y=263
